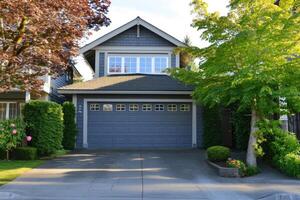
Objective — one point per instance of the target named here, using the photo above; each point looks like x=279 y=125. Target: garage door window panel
x=120 y=107
x=172 y=107
x=185 y=108
x=95 y=107
x=107 y=107
x=147 y=107
x=159 y=107
x=133 y=107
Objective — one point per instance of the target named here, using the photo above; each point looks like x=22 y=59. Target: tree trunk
x=7 y=155
x=251 y=156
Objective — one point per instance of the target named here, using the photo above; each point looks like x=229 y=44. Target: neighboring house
x=132 y=102
x=11 y=102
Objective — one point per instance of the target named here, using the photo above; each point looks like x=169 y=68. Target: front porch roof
x=143 y=84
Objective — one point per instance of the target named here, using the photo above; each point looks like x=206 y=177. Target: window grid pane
x=147 y=107
x=172 y=107
x=145 y=64
x=115 y=64
x=2 y=111
x=184 y=107
x=120 y=107
x=159 y=107
x=130 y=64
x=94 y=107
x=133 y=107
x=160 y=64
x=13 y=110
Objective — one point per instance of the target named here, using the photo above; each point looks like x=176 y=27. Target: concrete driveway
x=111 y=175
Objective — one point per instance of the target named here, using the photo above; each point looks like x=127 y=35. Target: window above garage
x=138 y=64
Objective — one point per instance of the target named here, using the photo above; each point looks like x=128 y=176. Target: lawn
x=9 y=170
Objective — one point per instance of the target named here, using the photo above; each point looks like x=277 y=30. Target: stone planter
x=224 y=171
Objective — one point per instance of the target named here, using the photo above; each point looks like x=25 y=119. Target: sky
x=172 y=16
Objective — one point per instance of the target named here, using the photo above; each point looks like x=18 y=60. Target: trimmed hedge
x=70 y=130
x=218 y=153
x=45 y=124
x=25 y=153
x=212 y=133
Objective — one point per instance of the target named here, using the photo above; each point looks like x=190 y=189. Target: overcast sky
x=172 y=16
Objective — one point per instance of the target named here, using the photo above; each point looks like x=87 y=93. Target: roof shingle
x=130 y=83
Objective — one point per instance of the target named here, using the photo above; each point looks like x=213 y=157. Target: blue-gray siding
x=80 y=105
x=57 y=82
x=173 y=60
x=101 y=64
x=129 y=38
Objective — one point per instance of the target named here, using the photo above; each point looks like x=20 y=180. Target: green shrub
x=283 y=149
x=237 y=164
x=290 y=164
x=70 y=130
x=212 y=132
x=12 y=134
x=251 y=170
x=25 y=153
x=282 y=144
x=218 y=153
x=45 y=124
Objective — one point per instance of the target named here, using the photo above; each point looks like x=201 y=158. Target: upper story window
x=160 y=64
x=146 y=65
x=130 y=64
x=115 y=64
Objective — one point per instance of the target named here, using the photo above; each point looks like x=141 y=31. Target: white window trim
x=194 y=114
x=8 y=107
x=138 y=56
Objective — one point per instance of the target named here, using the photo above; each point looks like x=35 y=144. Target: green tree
x=253 y=59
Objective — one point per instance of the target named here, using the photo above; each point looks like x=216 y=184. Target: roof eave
x=69 y=91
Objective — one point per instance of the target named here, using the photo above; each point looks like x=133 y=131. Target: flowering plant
x=232 y=163
x=12 y=133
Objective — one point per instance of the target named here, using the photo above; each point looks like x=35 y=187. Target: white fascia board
x=137 y=21
x=133 y=49
x=62 y=91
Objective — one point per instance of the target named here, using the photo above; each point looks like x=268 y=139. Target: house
x=11 y=102
x=132 y=102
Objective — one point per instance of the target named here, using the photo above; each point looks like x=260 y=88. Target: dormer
x=137 y=47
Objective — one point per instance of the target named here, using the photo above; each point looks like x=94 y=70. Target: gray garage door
x=139 y=125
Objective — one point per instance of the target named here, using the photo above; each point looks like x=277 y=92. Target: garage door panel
x=139 y=129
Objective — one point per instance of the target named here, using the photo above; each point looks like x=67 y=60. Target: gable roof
x=136 y=21
x=128 y=84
